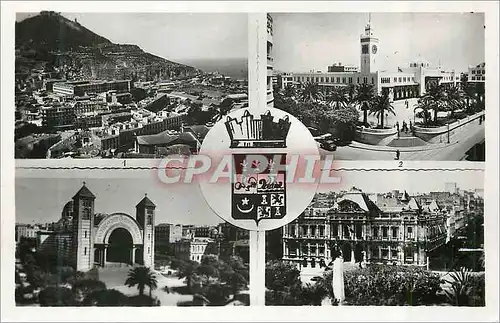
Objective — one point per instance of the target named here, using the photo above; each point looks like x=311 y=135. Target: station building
x=407 y=82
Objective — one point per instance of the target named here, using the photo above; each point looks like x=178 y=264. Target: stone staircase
x=407 y=141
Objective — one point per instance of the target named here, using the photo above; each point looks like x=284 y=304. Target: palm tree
x=289 y=91
x=425 y=112
x=310 y=92
x=435 y=98
x=223 y=109
x=365 y=98
x=188 y=270
x=142 y=277
x=454 y=98
x=469 y=94
x=380 y=106
x=337 y=97
x=351 y=91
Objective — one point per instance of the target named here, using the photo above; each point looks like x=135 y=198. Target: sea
x=235 y=68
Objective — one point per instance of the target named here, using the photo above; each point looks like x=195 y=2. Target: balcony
x=270 y=60
x=270 y=97
x=269 y=35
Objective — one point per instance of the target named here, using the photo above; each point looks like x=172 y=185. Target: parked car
x=328 y=145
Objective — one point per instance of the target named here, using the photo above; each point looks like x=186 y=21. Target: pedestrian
x=398 y=153
x=397 y=127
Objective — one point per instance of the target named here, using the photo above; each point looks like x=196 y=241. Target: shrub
x=56 y=296
x=108 y=297
x=477 y=292
x=84 y=287
x=389 y=285
x=281 y=276
x=466 y=289
x=143 y=300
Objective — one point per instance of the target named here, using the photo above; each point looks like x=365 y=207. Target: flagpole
x=257 y=268
x=257 y=104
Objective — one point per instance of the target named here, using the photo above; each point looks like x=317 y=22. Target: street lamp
x=448 y=132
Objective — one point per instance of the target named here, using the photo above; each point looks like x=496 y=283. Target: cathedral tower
x=145 y=216
x=83 y=223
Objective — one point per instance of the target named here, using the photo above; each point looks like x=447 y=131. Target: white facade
x=477 y=73
x=407 y=82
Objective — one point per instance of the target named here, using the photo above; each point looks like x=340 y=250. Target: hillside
x=53 y=42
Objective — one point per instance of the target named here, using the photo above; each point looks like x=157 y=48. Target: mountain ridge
x=50 y=40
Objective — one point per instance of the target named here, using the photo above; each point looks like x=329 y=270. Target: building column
x=353 y=260
x=133 y=255
x=389 y=253
x=415 y=258
x=105 y=255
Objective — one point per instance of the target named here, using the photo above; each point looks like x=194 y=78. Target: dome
x=420 y=62
x=67 y=210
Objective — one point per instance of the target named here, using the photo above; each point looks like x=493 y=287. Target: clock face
x=374 y=49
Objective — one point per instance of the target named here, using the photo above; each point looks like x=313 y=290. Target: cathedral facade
x=86 y=239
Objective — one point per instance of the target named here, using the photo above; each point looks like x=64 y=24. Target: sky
x=313 y=41
x=180 y=37
x=42 y=199
x=414 y=182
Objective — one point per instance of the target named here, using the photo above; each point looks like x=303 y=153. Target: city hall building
x=390 y=228
x=409 y=82
x=84 y=239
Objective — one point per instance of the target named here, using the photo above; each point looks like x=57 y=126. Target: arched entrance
x=120 y=246
x=358 y=253
x=346 y=252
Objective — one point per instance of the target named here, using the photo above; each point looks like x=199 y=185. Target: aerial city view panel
x=85 y=90
x=369 y=91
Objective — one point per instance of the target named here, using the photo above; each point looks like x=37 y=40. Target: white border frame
x=489 y=313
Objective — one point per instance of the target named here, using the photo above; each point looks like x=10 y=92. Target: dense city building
x=477 y=73
x=391 y=228
x=269 y=94
x=194 y=249
x=80 y=88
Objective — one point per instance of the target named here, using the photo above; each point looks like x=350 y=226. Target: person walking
x=398 y=153
x=397 y=127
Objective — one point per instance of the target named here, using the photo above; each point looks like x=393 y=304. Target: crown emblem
x=249 y=132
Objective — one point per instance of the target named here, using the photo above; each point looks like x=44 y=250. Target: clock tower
x=369 y=51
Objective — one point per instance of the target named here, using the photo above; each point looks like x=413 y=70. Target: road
x=460 y=143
